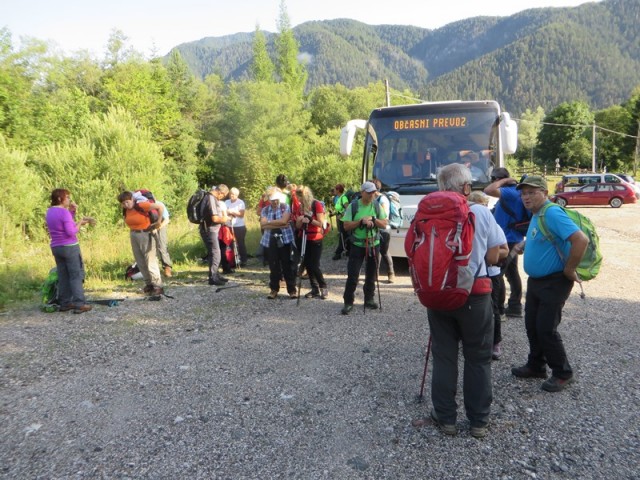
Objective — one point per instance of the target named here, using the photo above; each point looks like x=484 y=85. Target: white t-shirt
x=384 y=204
x=488 y=234
x=236 y=207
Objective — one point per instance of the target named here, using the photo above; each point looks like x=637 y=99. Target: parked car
x=614 y=194
x=631 y=181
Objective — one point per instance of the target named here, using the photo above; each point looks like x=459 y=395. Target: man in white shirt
x=235 y=210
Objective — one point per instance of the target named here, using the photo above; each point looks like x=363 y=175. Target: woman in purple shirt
x=63 y=231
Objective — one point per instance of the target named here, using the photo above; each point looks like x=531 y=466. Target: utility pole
x=637 y=152
x=387 y=92
x=593 y=149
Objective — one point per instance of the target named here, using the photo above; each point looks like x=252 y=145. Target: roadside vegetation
x=99 y=126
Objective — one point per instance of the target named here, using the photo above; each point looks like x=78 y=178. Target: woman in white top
x=235 y=210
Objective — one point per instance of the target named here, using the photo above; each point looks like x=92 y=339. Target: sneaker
x=447 y=429
x=513 y=311
x=503 y=317
x=526 y=372
x=555 y=384
x=168 y=272
x=346 y=310
x=370 y=304
x=272 y=295
x=391 y=278
x=84 y=308
x=497 y=352
x=478 y=432
x=312 y=294
x=324 y=293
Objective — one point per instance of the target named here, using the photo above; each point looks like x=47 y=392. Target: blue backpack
x=395 y=210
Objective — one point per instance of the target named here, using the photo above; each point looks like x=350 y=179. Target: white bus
x=406 y=145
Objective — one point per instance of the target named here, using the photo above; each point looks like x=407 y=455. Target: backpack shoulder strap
x=542 y=225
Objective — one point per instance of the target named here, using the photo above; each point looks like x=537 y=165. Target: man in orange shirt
x=137 y=216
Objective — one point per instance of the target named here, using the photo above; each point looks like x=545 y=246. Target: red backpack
x=438 y=246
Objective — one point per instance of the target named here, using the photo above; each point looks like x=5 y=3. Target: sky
x=156 y=26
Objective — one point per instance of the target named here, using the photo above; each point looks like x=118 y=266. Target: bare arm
x=493 y=189
x=579 y=243
x=493 y=255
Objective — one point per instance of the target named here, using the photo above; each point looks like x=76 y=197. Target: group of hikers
x=294 y=224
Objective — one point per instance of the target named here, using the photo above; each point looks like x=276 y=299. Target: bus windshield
x=405 y=146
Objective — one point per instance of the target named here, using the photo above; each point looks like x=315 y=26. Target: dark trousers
x=545 y=299
x=384 y=257
x=343 y=240
x=512 y=275
x=70 y=269
x=209 y=236
x=312 y=256
x=280 y=265
x=471 y=324
x=496 y=304
x=241 y=235
x=357 y=255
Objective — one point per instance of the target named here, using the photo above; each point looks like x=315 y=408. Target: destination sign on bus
x=459 y=121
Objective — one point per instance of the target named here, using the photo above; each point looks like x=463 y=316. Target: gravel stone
x=232 y=385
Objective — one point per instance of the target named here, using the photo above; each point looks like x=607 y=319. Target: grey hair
x=235 y=191
x=453 y=177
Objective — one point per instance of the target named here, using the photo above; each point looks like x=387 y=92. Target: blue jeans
x=70 y=275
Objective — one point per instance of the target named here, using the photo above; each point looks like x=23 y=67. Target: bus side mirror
x=347 y=135
x=508 y=134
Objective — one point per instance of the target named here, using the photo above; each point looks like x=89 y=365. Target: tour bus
x=405 y=146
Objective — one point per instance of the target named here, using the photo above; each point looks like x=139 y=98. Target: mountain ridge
x=536 y=57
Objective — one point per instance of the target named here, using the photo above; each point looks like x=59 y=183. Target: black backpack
x=196 y=206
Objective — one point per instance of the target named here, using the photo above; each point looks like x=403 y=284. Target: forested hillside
x=539 y=57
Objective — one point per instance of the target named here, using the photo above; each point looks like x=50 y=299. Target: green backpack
x=50 y=291
x=590 y=264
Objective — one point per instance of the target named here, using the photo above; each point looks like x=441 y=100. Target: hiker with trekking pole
x=311 y=227
x=363 y=218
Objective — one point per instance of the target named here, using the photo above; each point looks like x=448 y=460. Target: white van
x=571 y=183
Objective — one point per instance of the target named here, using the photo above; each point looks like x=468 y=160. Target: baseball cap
x=368 y=187
x=276 y=196
x=533 y=181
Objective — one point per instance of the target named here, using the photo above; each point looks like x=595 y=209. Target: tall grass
x=107 y=254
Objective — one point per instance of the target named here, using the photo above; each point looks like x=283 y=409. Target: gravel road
x=232 y=385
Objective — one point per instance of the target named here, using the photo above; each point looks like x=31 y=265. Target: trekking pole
x=377 y=262
x=424 y=374
x=303 y=249
x=366 y=260
x=236 y=256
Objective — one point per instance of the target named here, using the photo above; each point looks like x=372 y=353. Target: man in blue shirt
x=509 y=210
x=551 y=278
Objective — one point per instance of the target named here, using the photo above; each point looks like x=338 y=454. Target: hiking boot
x=168 y=272
x=497 y=352
x=155 y=292
x=223 y=279
x=478 y=432
x=370 y=304
x=67 y=308
x=337 y=256
x=272 y=295
x=147 y=288
x=447 y=429
x=83 y=308
x=513 y=311
x=324 y=293
x=346 y=310
x=391 y=278
x=293 y=295
x=217 y=282
x=312 y=294
x=555 y=384
x=526 y=372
